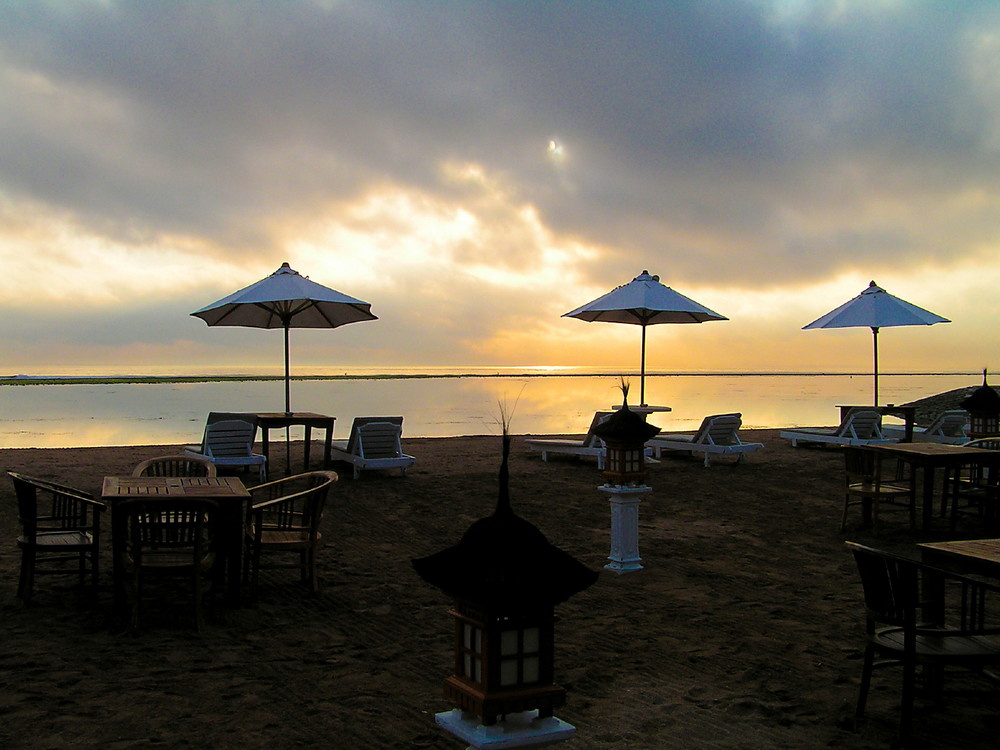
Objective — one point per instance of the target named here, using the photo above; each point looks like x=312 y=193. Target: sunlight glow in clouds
x=157 y=156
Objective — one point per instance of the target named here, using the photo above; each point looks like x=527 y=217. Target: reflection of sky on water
x=165 y=414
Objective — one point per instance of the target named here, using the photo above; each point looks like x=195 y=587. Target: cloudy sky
x=476 y=169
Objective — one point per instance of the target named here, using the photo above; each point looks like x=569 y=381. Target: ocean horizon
x=87 y=406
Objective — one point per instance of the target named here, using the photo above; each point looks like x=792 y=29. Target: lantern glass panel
x=508 y=643
x=521 y=663
x=531 y=671
x=532 y=640
x=472 y=659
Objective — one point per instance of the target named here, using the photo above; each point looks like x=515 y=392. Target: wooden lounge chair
x=859 y=427
x=230 y=443
x=717 y=436
x=374 y=443
x=590 y=445
x=949 y=427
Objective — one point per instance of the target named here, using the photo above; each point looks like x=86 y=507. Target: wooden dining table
x=928 y=457
x=308 y=420
x=229 y=492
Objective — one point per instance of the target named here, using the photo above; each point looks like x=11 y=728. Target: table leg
x=232 y=547
x=265 y=445
x=117 y=566
x=328 y=446
x=308 y=438
x=928 y=509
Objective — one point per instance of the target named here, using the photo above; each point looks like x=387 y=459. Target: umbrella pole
x=642 y=370
x=875 y=353
x=288 y=410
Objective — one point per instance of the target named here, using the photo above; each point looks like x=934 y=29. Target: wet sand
x=744 y=630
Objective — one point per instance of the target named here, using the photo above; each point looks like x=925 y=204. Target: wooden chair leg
x=866 y=681
x=906 y=703
x=26 y=581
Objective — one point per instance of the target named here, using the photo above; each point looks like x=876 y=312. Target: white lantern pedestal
x=624 y=557
x=523 y=729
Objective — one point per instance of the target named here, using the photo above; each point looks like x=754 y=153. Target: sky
x=476 y=169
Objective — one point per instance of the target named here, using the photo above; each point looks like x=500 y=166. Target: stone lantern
x=625 y=434
x=984 y=411
x=505 y=579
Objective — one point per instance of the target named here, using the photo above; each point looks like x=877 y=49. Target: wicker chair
x=906 y=625
x=60 y=532
x=169 y=537
x=284 y=517
x=868 y=483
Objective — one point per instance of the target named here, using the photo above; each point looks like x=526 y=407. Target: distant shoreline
x=15 y=380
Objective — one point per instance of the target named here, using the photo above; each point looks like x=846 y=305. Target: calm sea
x=543 y=401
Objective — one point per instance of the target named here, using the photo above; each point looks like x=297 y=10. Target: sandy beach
x=744 y=630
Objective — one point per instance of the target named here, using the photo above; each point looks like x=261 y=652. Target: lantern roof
x=626 y=426
x=503 y=562
x=984 y=399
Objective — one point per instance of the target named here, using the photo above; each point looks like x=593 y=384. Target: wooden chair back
x=862 y=424
x=380 y=440
x=175 y=466
x=44 y=506
x=169 y=533
x=719 y=429
x=949 y=424
x=353 y=444
x=229 y=438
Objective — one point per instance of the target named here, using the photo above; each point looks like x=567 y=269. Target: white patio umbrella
x=875 y=308
x=285 y=299
x=644 y=301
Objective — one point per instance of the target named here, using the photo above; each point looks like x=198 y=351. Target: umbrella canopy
x=286 y=299
x=644 y=301
x=875 y=308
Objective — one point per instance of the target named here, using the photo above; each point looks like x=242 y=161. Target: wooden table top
x=273 y=415
x=982 y=550
x=935 y=450
x=215 y=487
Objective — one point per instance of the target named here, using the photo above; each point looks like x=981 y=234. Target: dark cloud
x=694 y=132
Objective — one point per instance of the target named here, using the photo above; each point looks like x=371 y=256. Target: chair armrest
x=84 y=497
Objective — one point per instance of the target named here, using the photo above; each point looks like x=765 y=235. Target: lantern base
x=523 y=729
x=624 y=557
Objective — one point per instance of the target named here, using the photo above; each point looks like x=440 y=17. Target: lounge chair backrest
x=230 y=438
x=949 y=424
x=862 y=424
x=591 y=440
x=719 y=429
x=380 y=440
x=353 y=445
